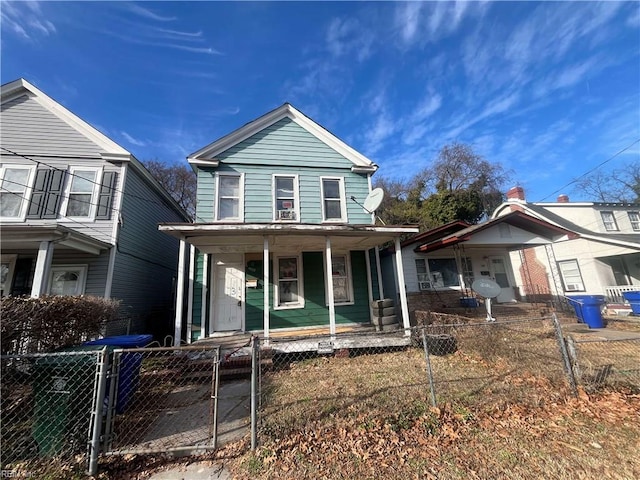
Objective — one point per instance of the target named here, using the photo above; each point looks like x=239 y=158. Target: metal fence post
x=101 y=386
x=255 y=349
x=213 y=405
x=565 y=356
x=429 y=371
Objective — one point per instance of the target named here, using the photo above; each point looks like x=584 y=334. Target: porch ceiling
x=28 y=237
x=243 y=238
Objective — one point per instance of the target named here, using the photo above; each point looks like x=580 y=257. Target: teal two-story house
x=281 y=239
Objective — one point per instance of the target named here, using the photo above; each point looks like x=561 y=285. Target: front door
x=498 y=268
x=229 y=289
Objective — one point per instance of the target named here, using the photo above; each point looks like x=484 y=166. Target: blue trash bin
x=634 y=300
x=129 y=364
x=589 y=309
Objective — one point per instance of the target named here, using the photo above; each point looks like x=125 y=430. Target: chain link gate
x=166 y=400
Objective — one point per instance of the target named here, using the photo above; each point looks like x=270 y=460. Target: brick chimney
x=563 y=198
x=515 y=193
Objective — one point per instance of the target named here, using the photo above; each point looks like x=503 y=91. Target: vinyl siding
x=146 y=261
x=97 y=267
x=30 y=129
x=315 y=312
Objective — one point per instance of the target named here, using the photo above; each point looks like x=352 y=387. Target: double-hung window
x=285 y=198
x=634 y=218
x=334 y=208
x=609 y=221
x=289 y=291
x=571 y=276
x=229 y=200
x=341 y=279
x=437 y=273
x=15 y=183
x=82 y=192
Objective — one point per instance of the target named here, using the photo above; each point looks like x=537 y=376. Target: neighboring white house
x=604 y=258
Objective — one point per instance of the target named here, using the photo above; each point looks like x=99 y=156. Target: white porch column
x=369 y=286
x=192 y=271
x=402 y=289
x=43 y=267
x=379 y=270
x=265 y=286
x=177 y=332
x=329 y=270
x=204 y=328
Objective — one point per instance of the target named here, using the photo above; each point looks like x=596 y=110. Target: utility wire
x=590 y=171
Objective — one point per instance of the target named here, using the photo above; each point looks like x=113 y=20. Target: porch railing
x=614 y=293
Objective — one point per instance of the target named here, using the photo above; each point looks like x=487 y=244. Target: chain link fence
x=601 y=364
x=48 y=412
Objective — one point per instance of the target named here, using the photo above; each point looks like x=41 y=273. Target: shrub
x=46 y=323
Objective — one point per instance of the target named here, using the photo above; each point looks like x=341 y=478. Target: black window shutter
x=105 y=198
x=40 y=185
x=54 y=194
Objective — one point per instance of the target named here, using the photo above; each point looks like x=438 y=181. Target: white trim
x=11 y=261
x=43 y=265
x=329 y=287
x=94 y=194
x=192 y=268
x=216 y=200
x=343 y=201
x=296 y=197
x=82 y=280
x=299 y=278
x=12 y=90
x=329 y=273
x=26 y=194
x=265 y=287
x=402 y=288
x=259 y=228
x=177 y=332
x=379 y=272
x=118 y=198
x=268 y=119
x=110 y=268
x=203 y=312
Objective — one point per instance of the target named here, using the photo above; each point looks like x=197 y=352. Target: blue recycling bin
x=589 y=309
x=634 y=300
x=129 y=364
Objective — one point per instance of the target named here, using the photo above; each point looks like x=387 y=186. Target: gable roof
x=520 y=220
x=538 y=210
x=112 y=151
x=206 y=155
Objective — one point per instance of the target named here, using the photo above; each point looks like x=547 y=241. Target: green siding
x=284 y=148
x=315 y=311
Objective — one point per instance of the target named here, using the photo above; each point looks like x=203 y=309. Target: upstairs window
x=609 y=221
x=14 y=189
x=81 y=194
x=634 y=218
x=285 y=193
x=333 y=200
x=229 y=204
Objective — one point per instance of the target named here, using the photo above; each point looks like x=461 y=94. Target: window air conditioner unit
x=286 y=215
x=573 y=287
x=424 y=285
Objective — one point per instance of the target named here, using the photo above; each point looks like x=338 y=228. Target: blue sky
x=549 y=90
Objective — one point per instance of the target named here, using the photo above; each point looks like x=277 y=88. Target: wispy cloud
x=133 y=141
x=348 y=36
x=26 y=20
x=146 y=13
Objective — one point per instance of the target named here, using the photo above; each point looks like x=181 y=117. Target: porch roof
x=28 y=237
x=248 y=237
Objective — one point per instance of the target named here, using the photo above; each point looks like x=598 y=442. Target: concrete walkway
x=600 y=334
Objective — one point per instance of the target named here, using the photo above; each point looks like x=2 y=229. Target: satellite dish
x=488 y=289
x=373 y=200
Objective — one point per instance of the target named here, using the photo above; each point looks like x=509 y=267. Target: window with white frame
x=437 y=273
x=289 y=292
x=285 y=198
x=609 y=221
x=229 y=200
x=7 y=265
x=341 y=279
x=81 y=193
x=15 y=183
x=634 y=218
x=334 y=207
x=571 y=276
x=67 y=279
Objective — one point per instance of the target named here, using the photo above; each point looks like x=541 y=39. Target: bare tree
x=621 y=184
x=179 y=180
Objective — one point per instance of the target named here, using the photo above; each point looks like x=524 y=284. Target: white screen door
x=229 y=293
x=499 y=273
